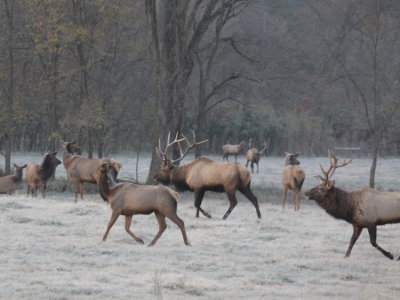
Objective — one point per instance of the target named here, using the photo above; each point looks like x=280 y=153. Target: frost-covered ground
x=51 y=248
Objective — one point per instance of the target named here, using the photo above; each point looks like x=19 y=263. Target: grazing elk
x=79 y=169
x=131 y=199
x=292 y=179
x=9 y=183
x=363 y=208
x=253 y=156
x=232 y=150
x=203 y=175
x=38 y=175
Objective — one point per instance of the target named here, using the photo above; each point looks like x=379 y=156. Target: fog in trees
x=119 y=75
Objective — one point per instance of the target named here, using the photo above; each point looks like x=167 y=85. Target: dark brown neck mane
x=340 y=204
x=47 y=168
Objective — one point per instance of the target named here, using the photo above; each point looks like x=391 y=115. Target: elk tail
x=174 y=194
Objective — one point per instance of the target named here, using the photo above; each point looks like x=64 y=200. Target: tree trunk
x=375 y=151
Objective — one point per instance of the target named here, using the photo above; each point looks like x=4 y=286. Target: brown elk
x=79 y=169
x=363 y=208
x=131 y=199
x=9 y=183
x=253 y=156
x=229 y=149
x=38 y=175
x=203 y=175
x=292 y=179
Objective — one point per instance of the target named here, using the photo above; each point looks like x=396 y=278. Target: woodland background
x=116 y=75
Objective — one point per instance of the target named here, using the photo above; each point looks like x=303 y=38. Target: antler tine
x=189 y=146
x=335 y=165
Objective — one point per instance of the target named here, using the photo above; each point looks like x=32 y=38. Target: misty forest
x=125 y=83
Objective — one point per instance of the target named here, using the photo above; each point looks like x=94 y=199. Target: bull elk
x=79 y=169
x=363 y=208
x=131 y=199
x=253 y=156
x=9 y=183
x=229 y=149
x=38 y=175
x=292 y=179
x=203 y=175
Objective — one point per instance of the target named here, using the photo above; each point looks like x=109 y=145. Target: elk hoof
x=140 y=241
x=398 y=258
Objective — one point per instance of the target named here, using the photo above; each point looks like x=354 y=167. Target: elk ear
x=297 y=154
x=54 y=153
x=24 y=166
x=73 y=143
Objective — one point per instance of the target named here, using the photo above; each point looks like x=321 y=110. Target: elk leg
x=28 y=190
x=356 y=233
x=257 y=167
x=76 y=191
x=181 y=225
x=162 y=226
x=113 y=218
x=233 y=203
x=252 y=167
x=236 y=157
x=372 y=238
x=128 y=222
x=44 y=190
x=296 y=199
x=284 y=197
x=198 y=198
x=253 y=199
x=81 y=189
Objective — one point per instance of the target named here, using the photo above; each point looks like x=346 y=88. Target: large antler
x=190 y=146
x=333 y=160
x=162 y=155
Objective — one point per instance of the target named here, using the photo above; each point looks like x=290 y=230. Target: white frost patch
x=52 y=248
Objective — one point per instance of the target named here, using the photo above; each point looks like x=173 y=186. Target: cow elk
x=38 y=175
x=292 y=179
x=9 y=183
x=253 y=156
x=363 y=208
x=232 y=150
x=203 y=175
x=131 y=199
x=79 y=169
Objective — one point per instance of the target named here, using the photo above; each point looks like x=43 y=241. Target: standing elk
x=363 y=208
x=38 y=175
x=203 y=175
x=9 y=183
x=253 y=156
x=79 y=169
x=131 y=199
x=292 y=179
x=232 y=150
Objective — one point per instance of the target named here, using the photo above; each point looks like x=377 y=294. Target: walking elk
x=131 y=199
x=292 y=179
x=203 y=175
x=232 y=150
x=363 y=208
x=79 y=169
x=253 y=156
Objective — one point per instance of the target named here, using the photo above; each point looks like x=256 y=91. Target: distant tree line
x=117 y=75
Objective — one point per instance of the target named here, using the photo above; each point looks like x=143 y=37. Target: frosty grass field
x=51 y=248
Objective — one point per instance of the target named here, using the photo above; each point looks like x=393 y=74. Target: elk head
x=291 y=159
x=70 y=147
x=164 y=175
x=321 y=192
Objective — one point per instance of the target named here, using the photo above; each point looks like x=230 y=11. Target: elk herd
x=362 y=208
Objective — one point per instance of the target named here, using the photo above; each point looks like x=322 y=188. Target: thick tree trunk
x=375 y=151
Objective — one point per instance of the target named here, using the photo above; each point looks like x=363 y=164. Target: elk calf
x=9 y=183
x=203 y=175
x=131 y=199
x=38 y=175
x=253 y=156
x=232 y=150
x=292 y=178
x=363 y=208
